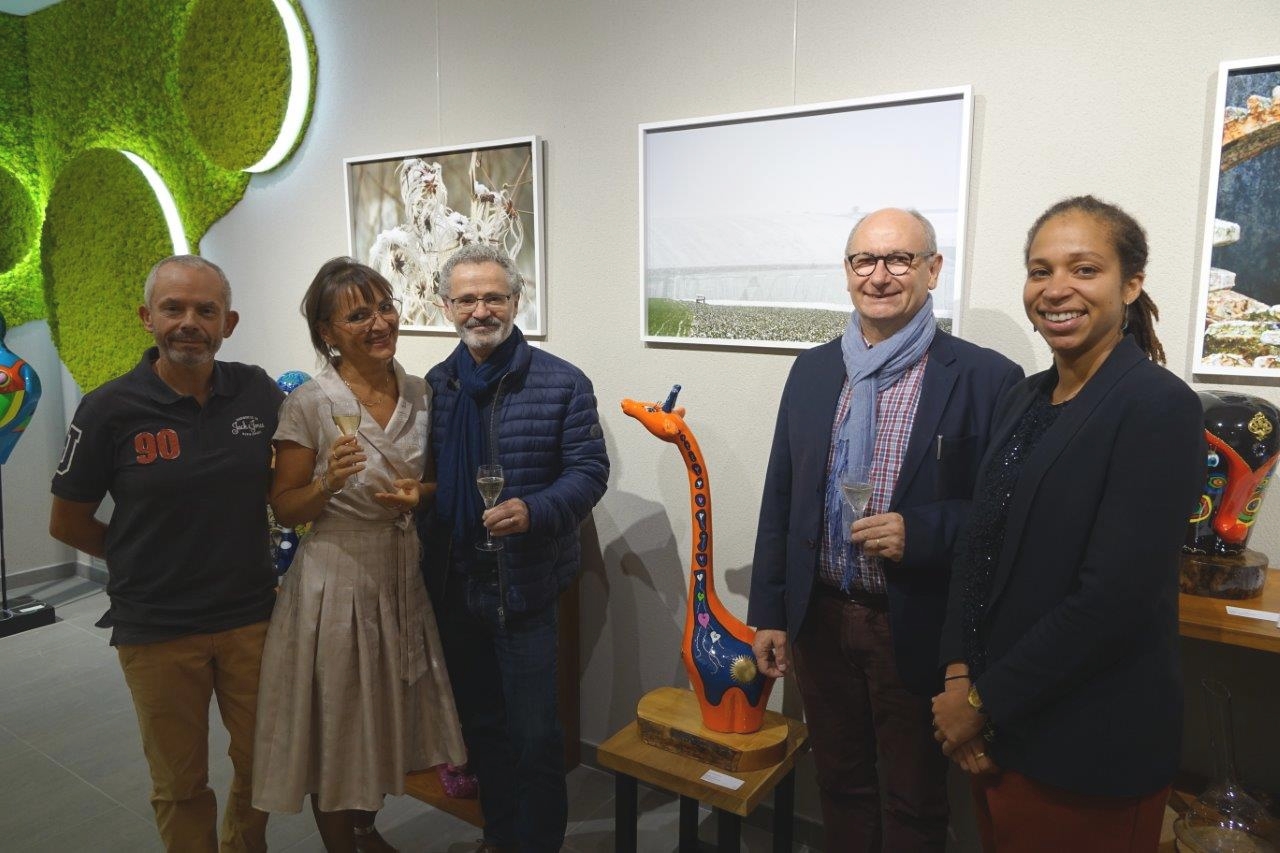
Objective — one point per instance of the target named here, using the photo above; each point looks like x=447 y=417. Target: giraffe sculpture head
x=665 y=422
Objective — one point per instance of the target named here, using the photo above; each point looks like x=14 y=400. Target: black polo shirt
x=187 y=543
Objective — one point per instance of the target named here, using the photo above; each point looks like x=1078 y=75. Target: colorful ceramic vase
x=1241 y=431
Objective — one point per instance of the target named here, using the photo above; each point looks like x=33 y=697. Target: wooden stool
x=632 y=760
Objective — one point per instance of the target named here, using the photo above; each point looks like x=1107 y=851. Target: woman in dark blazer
x=1063 y=693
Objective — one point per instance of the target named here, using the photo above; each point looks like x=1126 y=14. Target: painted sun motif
x=743 y=670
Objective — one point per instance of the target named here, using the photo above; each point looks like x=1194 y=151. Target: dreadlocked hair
x=1140 y=318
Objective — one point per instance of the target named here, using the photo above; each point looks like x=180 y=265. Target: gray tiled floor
x=73 y=778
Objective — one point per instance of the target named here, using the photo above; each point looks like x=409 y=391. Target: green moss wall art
x=127 y=128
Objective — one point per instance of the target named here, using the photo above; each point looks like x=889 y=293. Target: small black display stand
x=24 y=612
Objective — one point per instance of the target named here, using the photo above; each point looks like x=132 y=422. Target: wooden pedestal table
x=1207 y=618
x=667 y=747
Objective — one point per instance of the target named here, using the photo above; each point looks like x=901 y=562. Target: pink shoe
x=458 y=782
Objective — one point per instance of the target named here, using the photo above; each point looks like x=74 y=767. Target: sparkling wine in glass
x=489 y=481
x=856 y=488
x=858 y=494
x=347 y=420
x=346 y=417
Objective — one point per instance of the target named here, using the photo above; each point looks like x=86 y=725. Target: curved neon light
x=168 y=206
x=295 y=110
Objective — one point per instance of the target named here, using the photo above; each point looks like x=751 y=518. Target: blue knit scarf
x=870 y=370
x=458 y=501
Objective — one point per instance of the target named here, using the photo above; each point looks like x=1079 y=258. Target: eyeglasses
x=897 y=263
x=361 y=319
x=492 y=301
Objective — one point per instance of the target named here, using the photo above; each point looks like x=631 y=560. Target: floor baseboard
x=40 y=574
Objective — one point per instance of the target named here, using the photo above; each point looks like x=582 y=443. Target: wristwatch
x=975 y=701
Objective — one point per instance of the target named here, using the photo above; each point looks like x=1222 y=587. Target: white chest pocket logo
x=247 y=425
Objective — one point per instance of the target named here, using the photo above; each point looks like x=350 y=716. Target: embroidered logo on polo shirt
x=247 y=425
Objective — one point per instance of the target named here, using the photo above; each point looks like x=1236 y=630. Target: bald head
x=901 y=220
x=895 y=263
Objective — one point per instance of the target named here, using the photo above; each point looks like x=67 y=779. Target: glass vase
x=1224 y=819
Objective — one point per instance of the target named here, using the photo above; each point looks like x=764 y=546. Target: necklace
x=376 y=392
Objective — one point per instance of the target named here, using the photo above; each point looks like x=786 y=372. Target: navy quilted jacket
x=545 y=433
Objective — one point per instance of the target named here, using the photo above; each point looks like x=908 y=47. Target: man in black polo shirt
x=182 y=443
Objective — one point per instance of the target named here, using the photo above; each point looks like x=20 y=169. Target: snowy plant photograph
x=744 y=217
x=1238 y=309
x=408 y=212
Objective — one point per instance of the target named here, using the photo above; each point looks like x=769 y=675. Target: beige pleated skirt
x=354 y=692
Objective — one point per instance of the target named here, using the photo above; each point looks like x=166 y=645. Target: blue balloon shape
x=19 y=394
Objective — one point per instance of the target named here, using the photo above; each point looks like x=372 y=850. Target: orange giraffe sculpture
x=717 y=647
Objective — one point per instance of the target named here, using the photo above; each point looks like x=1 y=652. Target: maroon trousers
x=854 y=702
x=1020 y=815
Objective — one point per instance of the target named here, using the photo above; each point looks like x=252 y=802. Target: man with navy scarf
x=496 y=400
x=854 y=606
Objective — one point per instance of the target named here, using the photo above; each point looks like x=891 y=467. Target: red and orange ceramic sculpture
x=732 y=693
x=1244 y=446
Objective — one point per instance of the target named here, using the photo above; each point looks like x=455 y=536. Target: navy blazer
x=961 y=387
x=1081 y=626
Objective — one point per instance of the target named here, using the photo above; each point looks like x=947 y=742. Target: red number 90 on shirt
x=156 y=445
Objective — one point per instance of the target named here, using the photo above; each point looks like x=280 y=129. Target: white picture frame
x=408 y=210
x=742 y=246
x=1237 y=331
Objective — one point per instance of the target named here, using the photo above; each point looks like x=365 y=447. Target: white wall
x=1102 y=97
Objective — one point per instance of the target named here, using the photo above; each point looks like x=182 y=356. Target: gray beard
x=186 y=359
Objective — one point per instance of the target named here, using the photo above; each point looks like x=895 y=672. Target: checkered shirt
x=895 y=413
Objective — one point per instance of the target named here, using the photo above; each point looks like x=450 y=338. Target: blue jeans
x=518 y=757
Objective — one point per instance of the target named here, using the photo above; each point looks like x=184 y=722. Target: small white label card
x=1264 y=615
x=715 y=777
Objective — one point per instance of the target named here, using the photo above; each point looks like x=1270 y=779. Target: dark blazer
x=962 y=384
x=1081 y=625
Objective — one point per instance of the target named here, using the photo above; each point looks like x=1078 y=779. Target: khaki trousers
x=172 y=683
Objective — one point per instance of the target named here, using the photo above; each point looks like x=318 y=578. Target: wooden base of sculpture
x=1236 y=576
x=669 y=719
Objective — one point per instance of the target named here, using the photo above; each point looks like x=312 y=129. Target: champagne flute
x=489 y=481
x=346 y=417
x=856 y=488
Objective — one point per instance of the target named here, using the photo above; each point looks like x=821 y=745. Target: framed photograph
x=1238 y=314
x=408 y=212
x=744 y=218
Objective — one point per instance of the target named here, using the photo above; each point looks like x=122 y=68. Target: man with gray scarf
x=855 y=604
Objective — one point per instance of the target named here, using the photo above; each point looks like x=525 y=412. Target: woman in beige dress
x=354 y=690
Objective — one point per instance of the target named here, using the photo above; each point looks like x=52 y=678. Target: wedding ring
x=981 y=755
x=875 y=543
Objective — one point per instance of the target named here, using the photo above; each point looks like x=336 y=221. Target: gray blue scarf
x=870 y=370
